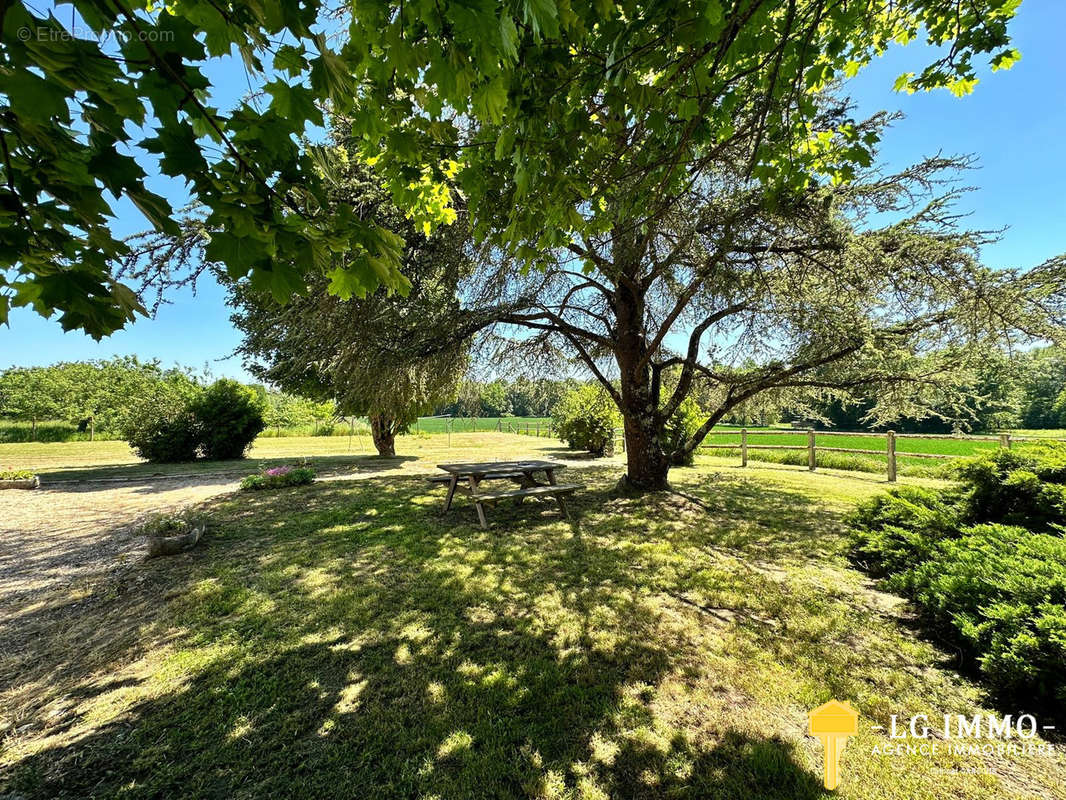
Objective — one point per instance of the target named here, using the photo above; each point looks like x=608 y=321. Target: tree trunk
x=92 y=429
x=33 y=430
x=384 y=434
x=647 y=466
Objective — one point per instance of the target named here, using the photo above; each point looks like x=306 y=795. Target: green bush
x=171 y=523
x=998 y=590
x=161 y=428
x=586 y=418
x=682 y=424
x=172 y=425
x=16 y=474
x=893 y=530
x=229 y=417
x=279 y=477
x=1024 y=487
x=1002 y=590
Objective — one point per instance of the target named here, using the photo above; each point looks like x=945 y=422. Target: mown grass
x=477 y=424
x=64 y=461
x=943 y=446
x=82 y=459
x=348 y=638
x=850 y=462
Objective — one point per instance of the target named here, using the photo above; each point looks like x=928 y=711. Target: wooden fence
x=890 y=453
x=537 y=429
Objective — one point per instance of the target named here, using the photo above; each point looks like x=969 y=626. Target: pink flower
x=276 y=471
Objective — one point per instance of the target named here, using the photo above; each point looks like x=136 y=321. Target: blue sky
x=1013 y=123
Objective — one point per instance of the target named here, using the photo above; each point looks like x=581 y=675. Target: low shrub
x=1024 y=487
x=279 y=477
x=585 y=419
x=229 y=416
x=171 y=533
x=161 y=428
x=1002 y=591
x=171 y=523
x=16 y=474
x=894 y=530
x=998 y=590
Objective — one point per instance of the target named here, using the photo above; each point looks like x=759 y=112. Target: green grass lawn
x=954 y=447
x=477 y=424
x=348 y=638
x=102 y=459
x=61 y=461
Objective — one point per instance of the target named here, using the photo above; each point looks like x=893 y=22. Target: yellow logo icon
x=833 y=723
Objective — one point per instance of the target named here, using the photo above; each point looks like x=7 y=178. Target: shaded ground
x=347 y=639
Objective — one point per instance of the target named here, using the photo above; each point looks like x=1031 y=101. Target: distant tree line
x=520 y=397
x=104 y=398
x=93 y=396
x=1026 y=391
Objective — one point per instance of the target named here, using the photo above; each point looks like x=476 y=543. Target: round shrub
x=229 y=417
x=586 y=418
x=161 y=428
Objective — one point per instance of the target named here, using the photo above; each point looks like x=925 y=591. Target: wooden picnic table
x=524 y=473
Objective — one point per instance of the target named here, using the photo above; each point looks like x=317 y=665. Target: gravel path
x=64 y=536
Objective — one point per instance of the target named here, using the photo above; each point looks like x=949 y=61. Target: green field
x=904 y=444
x=478 y=424
x=860 y=462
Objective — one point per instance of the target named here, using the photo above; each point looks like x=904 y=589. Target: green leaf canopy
x=518 y=104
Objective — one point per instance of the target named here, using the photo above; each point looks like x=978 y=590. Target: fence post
x=743 y=447
x=811 y=463
x=891 y=449
x=1004 y=441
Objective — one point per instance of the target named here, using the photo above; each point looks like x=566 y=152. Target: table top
x=489 y=467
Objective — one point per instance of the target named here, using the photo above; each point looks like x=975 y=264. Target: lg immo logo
x=833 y=723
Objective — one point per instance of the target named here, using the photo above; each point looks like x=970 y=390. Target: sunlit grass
x=348 y=637
x=95 y=460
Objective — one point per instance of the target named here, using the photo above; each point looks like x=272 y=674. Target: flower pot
x=21 y=483
x=169 y=545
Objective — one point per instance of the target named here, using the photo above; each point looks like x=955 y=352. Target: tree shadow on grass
x=348 y=638
x=329 y=720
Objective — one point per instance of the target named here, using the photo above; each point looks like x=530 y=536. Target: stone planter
x=21 y=483
x=169 y=545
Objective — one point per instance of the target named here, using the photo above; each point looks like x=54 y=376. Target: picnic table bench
x=468 y=477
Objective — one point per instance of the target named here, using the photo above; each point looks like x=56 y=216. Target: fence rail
x=890 y=452
x=530 y=428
